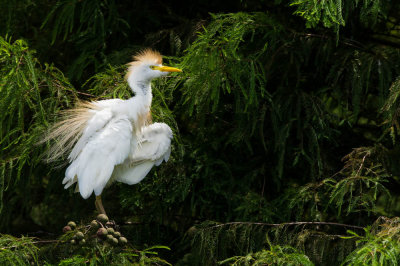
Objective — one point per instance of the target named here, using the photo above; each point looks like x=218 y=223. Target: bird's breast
x=143 y=119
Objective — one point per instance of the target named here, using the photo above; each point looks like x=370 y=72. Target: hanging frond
x=364 y=175
x=391 y=110
x=275 y=255
x=30 y=96
x=215 y=59
x=327 y=11
x=87 y=24
x=379 y=246
x=334 y=13
x=238 y=241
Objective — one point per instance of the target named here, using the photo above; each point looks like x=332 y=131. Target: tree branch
x=287 y=224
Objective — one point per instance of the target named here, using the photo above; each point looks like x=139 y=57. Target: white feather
x=97 y=122
x=103 y=150
x=155 y=147
x=132 y=174
x=108 y=149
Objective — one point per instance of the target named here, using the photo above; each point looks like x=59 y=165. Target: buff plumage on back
x=145 y=56
x=68 y=130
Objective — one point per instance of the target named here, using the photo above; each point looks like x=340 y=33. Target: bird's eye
x=152 y=67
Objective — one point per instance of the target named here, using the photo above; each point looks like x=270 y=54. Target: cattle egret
x=113 y=140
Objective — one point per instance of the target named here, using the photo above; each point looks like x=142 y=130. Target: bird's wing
x=97 y=122
x=156 y=141
x=107 y=146
x=154 y=148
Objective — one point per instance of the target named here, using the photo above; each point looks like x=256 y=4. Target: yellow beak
x=167 y=69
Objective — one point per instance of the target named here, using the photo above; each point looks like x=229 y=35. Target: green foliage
x=355 y=188
x=392 y=111
x=304 y=116
x=230 y=86
x=27 y=251
x=210 y=240
x=222 y=71
x=330 y=12
x=11 y=13
x=88 y=25
x=333 y=13
x=105 y=255
x=363 y=181
x=379 y=246
x=30 y=94
x=18 y=251
x=306 y=201
x=245 y=241
x=361 y=78
x=254 y=206
x=275 y=255
x=230 y=78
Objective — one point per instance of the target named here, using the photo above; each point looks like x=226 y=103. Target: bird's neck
x=142 y=90
x=138 y=107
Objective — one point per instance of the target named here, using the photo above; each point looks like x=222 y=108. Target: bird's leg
x=99 y=205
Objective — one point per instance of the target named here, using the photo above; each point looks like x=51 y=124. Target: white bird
x=112 y=140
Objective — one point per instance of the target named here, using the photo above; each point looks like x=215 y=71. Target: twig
x=351 y=43
x=362 y=164
x=86 y=94
x=34 y=242
x=290 y=223
x=45 y=241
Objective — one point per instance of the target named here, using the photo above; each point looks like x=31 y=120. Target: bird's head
x=146 y=66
